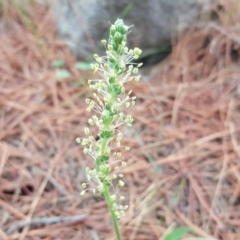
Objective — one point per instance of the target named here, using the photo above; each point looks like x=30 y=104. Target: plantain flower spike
x=110 y=98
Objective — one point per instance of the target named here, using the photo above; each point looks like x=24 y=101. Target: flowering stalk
x=115 y=69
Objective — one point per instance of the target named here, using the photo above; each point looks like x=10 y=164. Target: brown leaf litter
x=184 y=167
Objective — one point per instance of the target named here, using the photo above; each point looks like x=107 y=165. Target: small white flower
x=135 y=70
x=113 y=197
x=86 y=130
x=124 y=164
x=122 y=198
x=137 y=78
x=121 y=183
x=119 y=154
x=137 y=51
x=82 y=193
x=127 y=104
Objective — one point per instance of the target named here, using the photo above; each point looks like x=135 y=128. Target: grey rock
x=82 y=24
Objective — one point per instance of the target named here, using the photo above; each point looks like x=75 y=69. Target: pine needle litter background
x=184 y=166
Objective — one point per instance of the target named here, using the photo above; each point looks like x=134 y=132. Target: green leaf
x=58 y=63
x=83 y=66
x=62 y=74
x=126 y=10
x=178 y=193
x=177 y=233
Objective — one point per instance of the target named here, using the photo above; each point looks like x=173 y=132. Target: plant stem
x=110 y=207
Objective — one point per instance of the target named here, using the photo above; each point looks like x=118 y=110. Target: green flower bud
x=112 y=30
x=106 y=134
